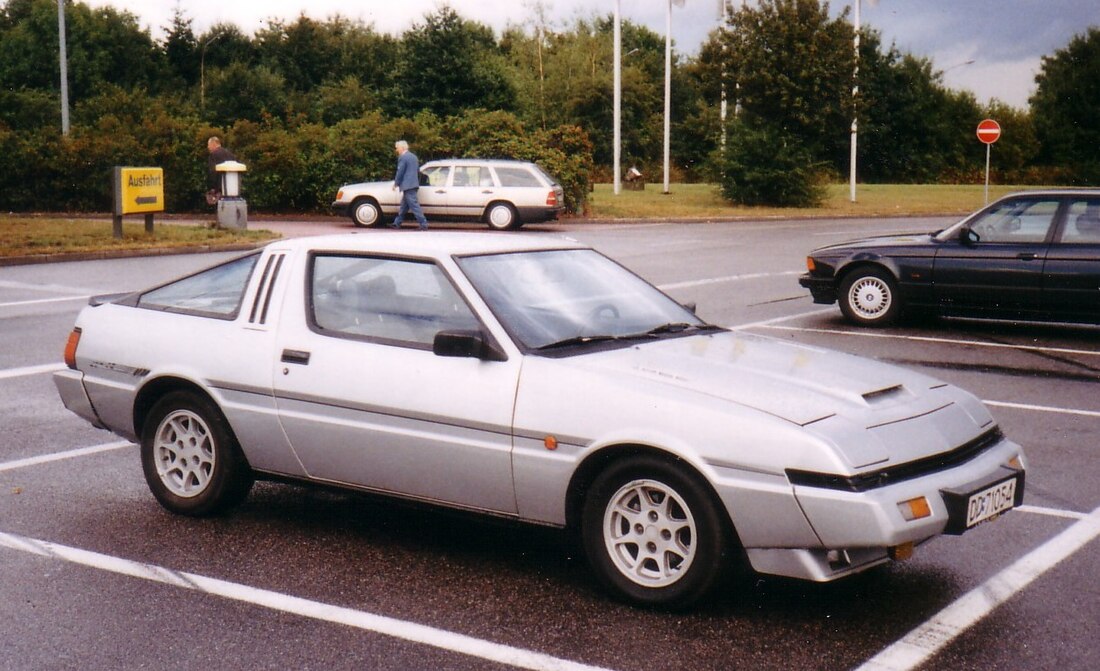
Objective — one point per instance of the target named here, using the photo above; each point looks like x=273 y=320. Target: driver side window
x=1017 y=221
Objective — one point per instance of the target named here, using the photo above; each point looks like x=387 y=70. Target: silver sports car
x=533 y=378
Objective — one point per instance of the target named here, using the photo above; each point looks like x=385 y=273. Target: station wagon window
x=215 y=292
x=436 y=175
x=1017 y=221
x=1083 y=223
x=472 y=175
x=517 y=177
x=394 y=300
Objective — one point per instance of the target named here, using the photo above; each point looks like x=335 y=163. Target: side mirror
x=969 y=237
x=690 y=307
x=467 y=344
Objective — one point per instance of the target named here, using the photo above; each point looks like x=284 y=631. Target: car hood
x=367 y=186
x=830 y=393
x=880 y=242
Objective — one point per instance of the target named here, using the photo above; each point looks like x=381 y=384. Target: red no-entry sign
x=989 y=131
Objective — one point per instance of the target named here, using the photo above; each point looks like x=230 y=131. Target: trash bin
x=232 y=209
x=634 y=180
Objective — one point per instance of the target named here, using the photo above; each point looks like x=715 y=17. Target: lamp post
x=855 y=109
x=618 y=95
x=64 y=61
x=202 y=71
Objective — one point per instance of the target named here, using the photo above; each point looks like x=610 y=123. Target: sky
x=992 y=48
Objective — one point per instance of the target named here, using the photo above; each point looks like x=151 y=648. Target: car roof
x=477 y=161
x=430 y=244
x=1064 y=191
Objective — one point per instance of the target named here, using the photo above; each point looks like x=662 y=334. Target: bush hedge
x=293 y=166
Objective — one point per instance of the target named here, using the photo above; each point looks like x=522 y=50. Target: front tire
x=869 y=297
x=366 y=213
x=653 y=534
x=502 y=217
x=191 y=460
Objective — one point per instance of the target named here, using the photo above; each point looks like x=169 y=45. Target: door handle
x=441 y=191
x=1027 y=256
x=295 y=356
x=487 y=191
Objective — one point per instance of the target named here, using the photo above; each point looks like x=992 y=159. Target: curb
x=35 y=259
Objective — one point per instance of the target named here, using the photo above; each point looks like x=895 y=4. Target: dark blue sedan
x=1031 y=256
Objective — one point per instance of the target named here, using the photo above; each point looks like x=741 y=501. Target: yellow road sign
x=139 y=190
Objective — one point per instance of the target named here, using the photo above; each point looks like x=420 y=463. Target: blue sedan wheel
x=869 y=297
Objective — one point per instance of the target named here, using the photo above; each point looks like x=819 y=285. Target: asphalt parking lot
x=94 y=574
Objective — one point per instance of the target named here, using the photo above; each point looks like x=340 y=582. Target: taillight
x=552 y=199
x=70 y=348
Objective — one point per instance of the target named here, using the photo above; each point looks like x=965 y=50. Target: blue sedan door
x=1072 y=273
x=1003 y=269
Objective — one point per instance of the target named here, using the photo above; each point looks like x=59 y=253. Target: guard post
x=232 y=209
x=137 y=191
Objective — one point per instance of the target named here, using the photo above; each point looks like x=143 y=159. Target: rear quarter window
x=517 y=177
x=214 y=292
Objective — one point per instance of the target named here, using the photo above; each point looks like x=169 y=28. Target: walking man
x=407 y=180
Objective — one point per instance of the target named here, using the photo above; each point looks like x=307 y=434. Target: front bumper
x=823 y=289
x=340 y=208
x=844 y=532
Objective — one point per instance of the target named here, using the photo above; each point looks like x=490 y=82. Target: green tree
x=766 y=165
x=181 y=49
x=1065 y=106
x=794 y=64
x=449 y=64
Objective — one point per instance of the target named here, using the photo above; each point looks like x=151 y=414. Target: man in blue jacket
x=408 y=180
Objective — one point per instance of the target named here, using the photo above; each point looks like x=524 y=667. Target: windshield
x=567 y=297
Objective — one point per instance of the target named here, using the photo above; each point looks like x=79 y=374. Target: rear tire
x=191 y=460
x=501 y=217
x=653 y=534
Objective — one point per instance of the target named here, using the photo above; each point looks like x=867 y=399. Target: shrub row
x=292 y=166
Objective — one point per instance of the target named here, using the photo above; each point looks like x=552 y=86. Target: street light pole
x=64 y=60
x=855 y=109
x=617 y=150
x=202 y=72
x=668 y=81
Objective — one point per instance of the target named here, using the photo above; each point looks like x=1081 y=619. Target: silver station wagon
x=532 y=378
x=503 y=194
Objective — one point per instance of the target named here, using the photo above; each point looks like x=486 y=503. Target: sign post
x=989 y=131
x=137 y=191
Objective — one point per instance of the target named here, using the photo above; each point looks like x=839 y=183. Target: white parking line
x=44 y=300
x=30 y=370
x=61 y=456
x=1042 y=408
x=919 y=645
x=380 y=624
x=728 y=278
x=949 y=341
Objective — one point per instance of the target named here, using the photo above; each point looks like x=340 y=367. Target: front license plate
x=973 y=503
x=990 y=502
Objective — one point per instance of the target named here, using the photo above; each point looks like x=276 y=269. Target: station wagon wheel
x=869 y=297
x=652 y=534
x=365 y=212
x=501 y=217
x=191 y=460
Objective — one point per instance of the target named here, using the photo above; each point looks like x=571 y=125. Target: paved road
x=94 y=574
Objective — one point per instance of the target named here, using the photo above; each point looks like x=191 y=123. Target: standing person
x=218 y=154
x=407 y=180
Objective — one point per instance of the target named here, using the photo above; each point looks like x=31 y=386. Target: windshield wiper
x=679 y=327
x=578 y=340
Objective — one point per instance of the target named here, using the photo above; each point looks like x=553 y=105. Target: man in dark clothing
x=218 y=154
x=407 y=180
